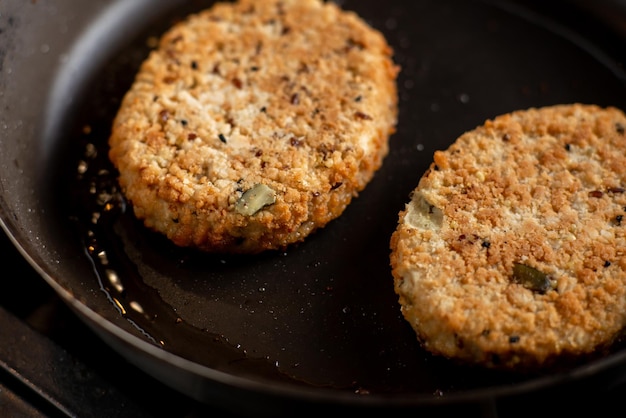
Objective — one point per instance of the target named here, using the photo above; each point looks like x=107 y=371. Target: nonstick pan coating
x=318 y=323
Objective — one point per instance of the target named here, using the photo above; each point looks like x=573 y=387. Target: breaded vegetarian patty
x=511 y=250
x=254 y=123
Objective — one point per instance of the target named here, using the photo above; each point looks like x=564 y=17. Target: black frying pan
x=317 y=326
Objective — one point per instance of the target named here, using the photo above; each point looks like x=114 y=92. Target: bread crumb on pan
x=510 y=253
x=254 y=123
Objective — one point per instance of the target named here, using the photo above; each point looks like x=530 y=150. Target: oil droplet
x=82 y=167
x=102 y=256
x=136 y=306
x=114 y=280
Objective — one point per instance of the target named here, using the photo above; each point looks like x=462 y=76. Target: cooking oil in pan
x=101 y=209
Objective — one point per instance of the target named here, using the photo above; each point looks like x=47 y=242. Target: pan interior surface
x=322 y=314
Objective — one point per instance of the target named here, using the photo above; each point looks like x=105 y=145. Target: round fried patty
x=510 y=252
x=254 y=123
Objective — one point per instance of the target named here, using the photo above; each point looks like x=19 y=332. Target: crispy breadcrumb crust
x=542 y=188
x=296 y=95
